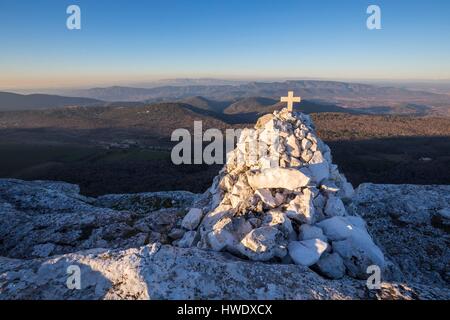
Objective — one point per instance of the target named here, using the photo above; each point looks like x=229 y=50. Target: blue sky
x=134 y=41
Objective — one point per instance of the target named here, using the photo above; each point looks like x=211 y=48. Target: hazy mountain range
x=12 y=101
x=307 y=88
x=241 y=98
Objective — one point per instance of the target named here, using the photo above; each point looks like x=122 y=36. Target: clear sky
x=131 y=41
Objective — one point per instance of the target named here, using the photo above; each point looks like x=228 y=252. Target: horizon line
x=144 y=84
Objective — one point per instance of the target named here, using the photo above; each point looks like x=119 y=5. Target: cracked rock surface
x=419 y=257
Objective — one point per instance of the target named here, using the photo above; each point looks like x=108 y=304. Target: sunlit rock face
x=280 y=198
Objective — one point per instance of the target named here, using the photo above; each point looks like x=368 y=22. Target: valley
x=127 y=149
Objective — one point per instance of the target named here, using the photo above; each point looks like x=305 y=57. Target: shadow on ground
x=414 y=160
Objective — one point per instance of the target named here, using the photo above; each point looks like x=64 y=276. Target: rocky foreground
x=127 y=247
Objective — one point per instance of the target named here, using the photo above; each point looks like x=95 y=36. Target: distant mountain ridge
x=233 y=111
x=390 y=100
x=13 y=101
x=250 y=98
x=308 y=89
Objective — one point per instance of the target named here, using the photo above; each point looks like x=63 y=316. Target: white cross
x=290 y=99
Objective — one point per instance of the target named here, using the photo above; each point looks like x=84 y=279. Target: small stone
x=278 y=219
x=307 y=155
x=266 y=197
x=336 y=228
x=226 y=183
x=299 y=133
x=329 y=186
x=347 y=190
x=263 y=244
x=319 y=202
x=255 y=222
x=241 y=227
x=358 y=252
x=262 y=121
x=319 y=167
x=235 y=200
x=306 y=144
x=301 y=208
x=189 y=240
x=357 y=222
x=292 y=146
x=280 y=198
x=307 y=252
x=331 y=266
x=286 y=178
x=308 y=232
x=216 y=218
x=220 y=239
x=335 y=207
x=268 y=137
x=311 y=137
x=176 y=233
x=192 y=219
x=266 y=162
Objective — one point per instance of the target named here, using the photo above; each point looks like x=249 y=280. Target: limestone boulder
x=301 y=208
x=319 y=167
x=308 y=232
x=286 y=178
x=221 y=236
x=359 y=252
x=263 y=244
x=266 y=197
x=192 y=219
x=292 y=146
x=334 y=207
x=221 y=239
x=188 y=240
x=331 y=266
x=336 y=228
x=278 y=219
x=307 y=252
x=176 y=233
x=264 y=121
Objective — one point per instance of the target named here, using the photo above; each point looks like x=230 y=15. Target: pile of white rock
x=279 y=198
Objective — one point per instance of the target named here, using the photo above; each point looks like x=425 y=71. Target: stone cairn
x=279 y=198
